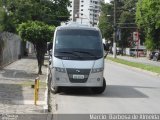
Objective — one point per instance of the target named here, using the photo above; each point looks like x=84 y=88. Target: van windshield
x=78 y=44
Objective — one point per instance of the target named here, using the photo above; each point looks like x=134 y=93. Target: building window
x=96 y=2
x=95 y=11
x=81 y=9
x=81 y=14
x=81 y=5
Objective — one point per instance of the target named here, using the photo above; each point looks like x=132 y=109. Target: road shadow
x=112 y=91
x=9 y=93
x=119 y=91
x=33 y=56
x=78 y=91
x=13 y=73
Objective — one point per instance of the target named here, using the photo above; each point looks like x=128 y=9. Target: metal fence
x=11 y=49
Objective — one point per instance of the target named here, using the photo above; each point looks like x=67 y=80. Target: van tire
x=54 y=89
x=50 y=85
x=99 y=90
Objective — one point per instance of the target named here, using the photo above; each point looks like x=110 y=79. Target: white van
x=77 y=58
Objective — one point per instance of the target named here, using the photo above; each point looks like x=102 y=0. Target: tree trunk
x=40 y=52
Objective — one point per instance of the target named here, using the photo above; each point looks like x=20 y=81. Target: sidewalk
x=16 y=94
x=142 y=60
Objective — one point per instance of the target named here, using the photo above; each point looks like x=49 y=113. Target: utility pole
x=115 y=30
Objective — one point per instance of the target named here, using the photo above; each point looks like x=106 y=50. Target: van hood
x=78 y=64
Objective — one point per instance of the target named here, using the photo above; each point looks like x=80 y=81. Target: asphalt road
x=128 y=91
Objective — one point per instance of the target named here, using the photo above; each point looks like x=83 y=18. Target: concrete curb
x=134 y=68
x=46 y=106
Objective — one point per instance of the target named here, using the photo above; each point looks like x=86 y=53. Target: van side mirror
x=49 y=46
x=106 y=47
x=105 y=54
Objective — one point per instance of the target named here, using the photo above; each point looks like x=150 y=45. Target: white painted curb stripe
x=27 y=102
x=45 y=107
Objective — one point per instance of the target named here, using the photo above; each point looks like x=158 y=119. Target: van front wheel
x=52 y=88
x=99 y=90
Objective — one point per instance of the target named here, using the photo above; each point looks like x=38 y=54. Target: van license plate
x=78 y=76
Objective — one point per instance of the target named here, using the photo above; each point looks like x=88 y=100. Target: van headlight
x=60 y=69
x=95 y=70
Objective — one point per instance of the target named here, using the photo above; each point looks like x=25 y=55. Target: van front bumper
x=93 y=80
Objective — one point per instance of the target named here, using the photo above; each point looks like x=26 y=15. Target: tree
x=127 y=18
x=39 y=34
x=125 y=13
x=50 y=12
x=6 y=22
x=25 y=12
x=147 y=18
x=106 y=21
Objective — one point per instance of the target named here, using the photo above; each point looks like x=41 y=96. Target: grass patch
x=151 y=68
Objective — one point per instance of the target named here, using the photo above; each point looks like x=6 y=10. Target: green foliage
x=105 y=23
x=125 y=14
x=36 y=32
x=151 y=68
x=47 y=11
x=147 y=17
x=6 y=22
x=39 y=34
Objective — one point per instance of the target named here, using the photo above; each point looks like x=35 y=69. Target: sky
x=107 y=0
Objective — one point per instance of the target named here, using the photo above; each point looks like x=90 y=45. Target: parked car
x=151 y=55
x=154 y=56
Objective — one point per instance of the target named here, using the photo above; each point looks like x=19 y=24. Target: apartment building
x=85 y=11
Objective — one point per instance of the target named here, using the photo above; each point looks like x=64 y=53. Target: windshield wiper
x=72 y=53
x=88 y=53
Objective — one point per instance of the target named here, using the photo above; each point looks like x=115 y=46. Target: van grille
x=72 y=72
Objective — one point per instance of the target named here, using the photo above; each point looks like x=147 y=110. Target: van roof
x=77 y=26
